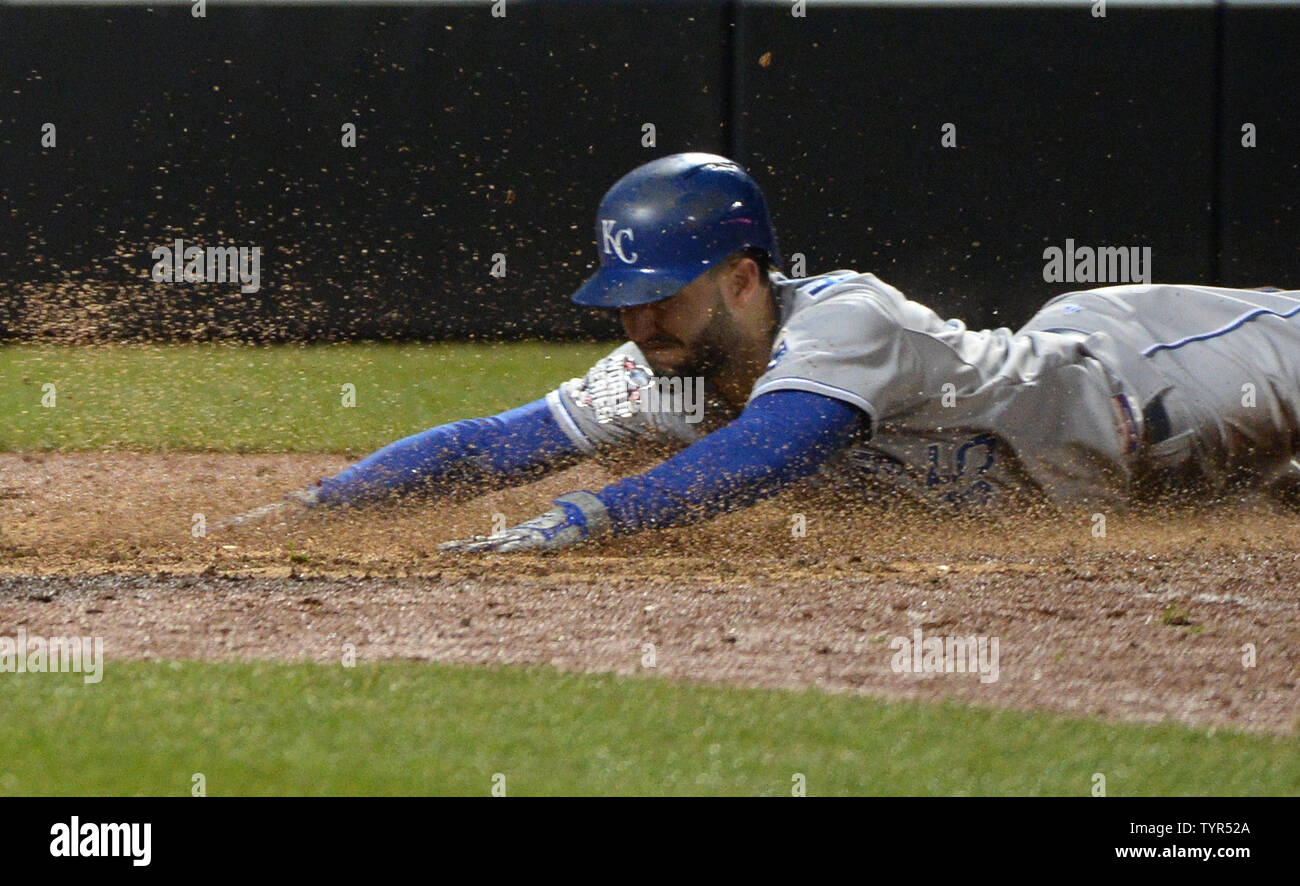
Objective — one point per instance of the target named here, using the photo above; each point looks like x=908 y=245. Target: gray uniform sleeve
x=598 y=411
x=846 y=347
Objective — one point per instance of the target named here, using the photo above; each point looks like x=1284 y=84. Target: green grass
x=414 y=728
x=275 y=399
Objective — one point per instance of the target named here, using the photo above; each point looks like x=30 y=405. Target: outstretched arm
x=525 y=440
x=781 y=437
x=483 y=451
x=582 y=416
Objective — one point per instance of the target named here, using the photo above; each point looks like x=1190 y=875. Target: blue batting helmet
x=670 y=220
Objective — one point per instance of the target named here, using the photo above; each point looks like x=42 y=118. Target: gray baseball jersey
x=1059 y=408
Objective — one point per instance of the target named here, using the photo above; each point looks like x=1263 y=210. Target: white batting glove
x=579 y=517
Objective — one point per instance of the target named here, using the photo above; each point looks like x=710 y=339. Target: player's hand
x=294 y=501
x=551 y=531
x=576 y=518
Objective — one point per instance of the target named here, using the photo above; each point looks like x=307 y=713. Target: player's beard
x=715 y=347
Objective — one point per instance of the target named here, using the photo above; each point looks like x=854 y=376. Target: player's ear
x=741 y=280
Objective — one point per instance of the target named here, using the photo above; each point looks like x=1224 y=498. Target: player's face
x=687 y=335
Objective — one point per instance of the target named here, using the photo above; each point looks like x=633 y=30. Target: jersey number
x=969 y=464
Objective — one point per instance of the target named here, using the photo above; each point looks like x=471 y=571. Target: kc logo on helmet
x=614 y=240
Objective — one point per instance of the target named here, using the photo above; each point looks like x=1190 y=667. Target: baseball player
x=1103 y=397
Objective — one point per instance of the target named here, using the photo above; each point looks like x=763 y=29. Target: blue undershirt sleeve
x=781 y=437
x=479 y=450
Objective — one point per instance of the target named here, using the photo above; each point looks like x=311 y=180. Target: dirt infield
x=1151 y=622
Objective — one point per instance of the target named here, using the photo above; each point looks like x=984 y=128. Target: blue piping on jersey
x=1205 y=336
x=830 y=281
x=816 y=387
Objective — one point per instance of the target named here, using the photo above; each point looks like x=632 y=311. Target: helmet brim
x=612 y=287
